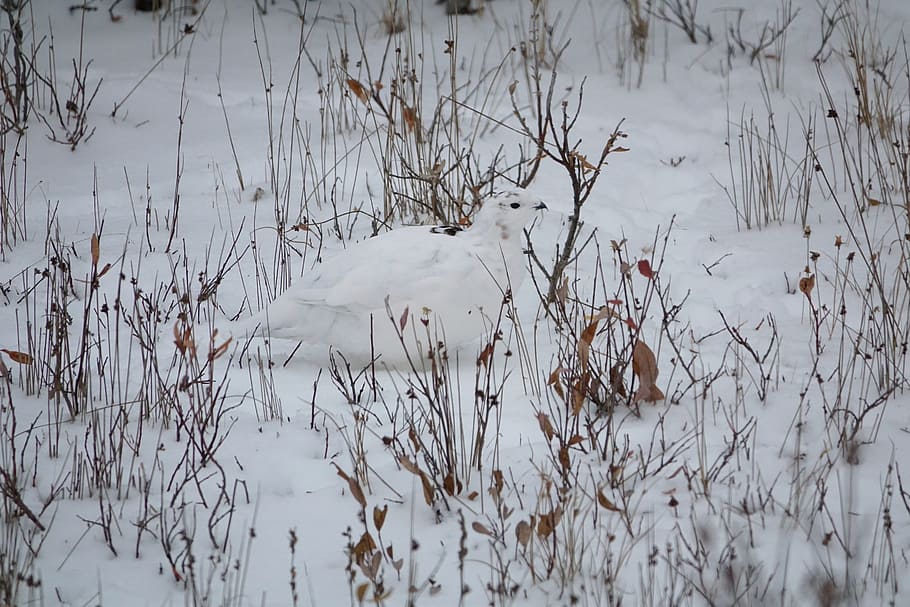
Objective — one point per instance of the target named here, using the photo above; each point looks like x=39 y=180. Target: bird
x=394 y=297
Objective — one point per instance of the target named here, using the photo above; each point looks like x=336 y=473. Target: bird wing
x=405 y=263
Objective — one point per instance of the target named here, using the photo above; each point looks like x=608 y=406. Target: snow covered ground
x=739 y=206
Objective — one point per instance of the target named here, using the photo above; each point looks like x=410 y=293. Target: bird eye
x=515 y=205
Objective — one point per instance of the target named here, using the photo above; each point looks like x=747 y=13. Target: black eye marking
x=515 y=205
x=447 y=230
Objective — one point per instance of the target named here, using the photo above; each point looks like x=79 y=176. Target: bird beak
x=540 y=206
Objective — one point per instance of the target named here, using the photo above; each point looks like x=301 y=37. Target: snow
x=774 y=478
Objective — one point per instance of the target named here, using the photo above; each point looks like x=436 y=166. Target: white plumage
x=447 y=279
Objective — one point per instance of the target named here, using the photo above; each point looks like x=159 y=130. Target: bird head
x=505 y=214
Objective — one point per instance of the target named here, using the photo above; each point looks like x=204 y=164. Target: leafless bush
x=684 y=15
x=554 y=140
x=19 y=50
x=68 y=121
x=13 y=188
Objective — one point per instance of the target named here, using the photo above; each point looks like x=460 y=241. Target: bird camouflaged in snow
x=448 y=279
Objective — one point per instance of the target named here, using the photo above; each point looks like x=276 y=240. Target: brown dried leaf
x=580 y=392
x=547 y=522
x=806 y=284
x=104 y=270
x=553 y=380
x=485 y=354
x=564 y=459
x=353 y=486
x=616 y=381
x=219 y=351
x=605 y=502
x=361 y=591
x=451 y=484
x=358 y=89
x=379 y=517
x=18 y=357
x=479 y=528
x=562 y=293
x=873 y=202
x=584 y=344
x=644 y=366
x=365 y=546
x=409 y=115
x=96 y=249
x=545 y=426
x=408 y=465
x=576 y=440
x=428 y=492
x=523 y=533
x=499 y=482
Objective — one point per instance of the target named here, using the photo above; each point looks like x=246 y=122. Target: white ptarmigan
x=446 y=279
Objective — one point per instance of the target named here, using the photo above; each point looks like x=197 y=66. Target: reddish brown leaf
x=485 y=354
x=403 y=320
x=644 y=268
x=479 y=528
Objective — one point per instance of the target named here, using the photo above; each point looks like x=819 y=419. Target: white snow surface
x=746 y=473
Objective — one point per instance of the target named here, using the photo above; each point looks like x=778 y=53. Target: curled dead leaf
x=545 y=426
x=605 y=502
x=353 y=486
x=553 y=380
x=806 y=284
x=644 y=366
